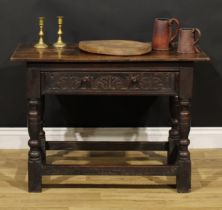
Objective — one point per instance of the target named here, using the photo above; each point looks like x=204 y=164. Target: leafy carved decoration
x=74 y=81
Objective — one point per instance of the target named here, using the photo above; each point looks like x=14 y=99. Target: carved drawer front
x=109 y=82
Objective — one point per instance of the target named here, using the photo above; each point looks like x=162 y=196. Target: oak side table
x=72 y=72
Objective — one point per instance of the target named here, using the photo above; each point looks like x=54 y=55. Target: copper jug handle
x=177 y=23
x=197 y=35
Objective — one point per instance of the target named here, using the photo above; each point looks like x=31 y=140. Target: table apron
x=115 y=83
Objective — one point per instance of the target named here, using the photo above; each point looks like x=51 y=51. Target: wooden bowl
x=116 y=47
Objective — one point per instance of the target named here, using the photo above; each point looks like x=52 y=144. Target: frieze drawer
x=109 y=82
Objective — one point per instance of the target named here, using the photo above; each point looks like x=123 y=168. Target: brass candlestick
x=41 y=44
x=60 y=43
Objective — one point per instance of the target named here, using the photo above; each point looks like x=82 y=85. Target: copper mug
x=188 y=39
x=162 y=33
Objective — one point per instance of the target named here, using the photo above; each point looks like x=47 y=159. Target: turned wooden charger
x=116 y=47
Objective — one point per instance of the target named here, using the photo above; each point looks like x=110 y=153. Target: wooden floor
x=110 y=192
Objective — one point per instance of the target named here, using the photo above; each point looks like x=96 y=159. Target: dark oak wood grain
x=72 y=53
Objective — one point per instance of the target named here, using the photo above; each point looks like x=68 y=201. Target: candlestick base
x=59 y=44
x=40 y=45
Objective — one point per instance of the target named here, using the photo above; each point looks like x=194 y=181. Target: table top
x=71 y=53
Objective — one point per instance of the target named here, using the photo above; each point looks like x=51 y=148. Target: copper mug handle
x=197 y=35
x=177 y=23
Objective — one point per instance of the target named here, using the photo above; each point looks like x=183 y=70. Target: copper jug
x=188 y=39
x=162 y=33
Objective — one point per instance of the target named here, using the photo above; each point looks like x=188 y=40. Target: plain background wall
x=108 y=19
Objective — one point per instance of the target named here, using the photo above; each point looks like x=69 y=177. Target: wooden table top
x=71 y=53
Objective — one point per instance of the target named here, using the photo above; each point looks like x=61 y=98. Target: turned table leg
x=174 y=132
x=42 y=132
x=35 y=155
x=184 y=162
